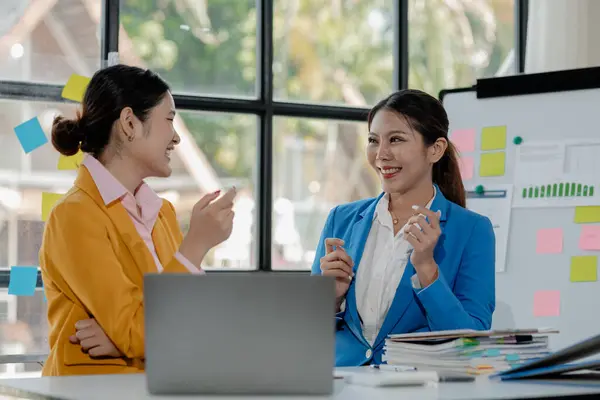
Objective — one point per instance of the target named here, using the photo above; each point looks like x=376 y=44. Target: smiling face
x=154 y=139
x=399 y=154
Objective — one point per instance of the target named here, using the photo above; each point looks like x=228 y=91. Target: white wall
x=562 y=34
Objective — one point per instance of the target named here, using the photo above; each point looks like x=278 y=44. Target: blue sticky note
x=512 y=357
x=22 y=281
x=31 y=135
x=492 y=352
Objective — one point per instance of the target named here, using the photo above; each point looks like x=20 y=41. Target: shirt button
x=369 y=353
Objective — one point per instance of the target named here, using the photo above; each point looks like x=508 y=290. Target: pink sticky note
x=463 y=140
x=549 y=241
x=546 y=303
x=590 y=237
x=466 y=168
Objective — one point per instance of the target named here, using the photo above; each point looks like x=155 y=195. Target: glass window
x=333 y=52
x=221 y=154
x=48 y=41
x=451 y=44
x=23 y=331
x=317 y=164
x=199 y=47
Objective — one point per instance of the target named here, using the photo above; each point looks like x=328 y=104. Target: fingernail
x=415 y=207
x=217 y=191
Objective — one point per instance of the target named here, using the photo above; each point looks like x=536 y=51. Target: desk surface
x=102 y=387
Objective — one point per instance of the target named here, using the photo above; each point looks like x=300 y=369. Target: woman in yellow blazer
x=110 y=229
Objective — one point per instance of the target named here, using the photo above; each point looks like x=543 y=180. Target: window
x=199 y=47
x=318 y=164
x=453 y=44
x=218 y=151
x=47 y=41
x=333 y=51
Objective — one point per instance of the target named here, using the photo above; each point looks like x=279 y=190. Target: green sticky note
x=584 y=269
x=493 y=138
x=492 y=164
x=587 y=214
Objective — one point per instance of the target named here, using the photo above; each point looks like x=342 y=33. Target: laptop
x=239 y=333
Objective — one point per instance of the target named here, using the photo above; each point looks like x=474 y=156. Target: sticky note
x=31 y=135
x=589 y=238
x=549 y=241
x=72 y=162
x=546 y=303
x=75 y=87
x=587 y=214
x=466 y=167
x=48 y=202
x=493 y=138
x=492 y=164
x=584 y=269
x=463 y=140
x=22 y=281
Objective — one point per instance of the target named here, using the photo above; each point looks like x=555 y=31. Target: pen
x=394 y=368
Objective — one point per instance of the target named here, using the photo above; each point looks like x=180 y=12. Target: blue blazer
x=462 y=297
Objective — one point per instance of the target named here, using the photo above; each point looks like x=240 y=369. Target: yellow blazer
x=93 y=262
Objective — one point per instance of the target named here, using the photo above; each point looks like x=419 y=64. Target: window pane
x=453 y=44
x=199 y=47
x=333 y=51
x=47 y=41
x=318 y=164
x=222 y=154
x=217 y=151
x=23 y=331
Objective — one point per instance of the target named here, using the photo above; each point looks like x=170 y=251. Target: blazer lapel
x=122 y=221
x=355 y=247
x=405 y=294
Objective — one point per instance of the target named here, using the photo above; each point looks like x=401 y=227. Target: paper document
x=495 y=203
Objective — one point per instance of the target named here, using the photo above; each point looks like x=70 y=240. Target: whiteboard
x=535 y=280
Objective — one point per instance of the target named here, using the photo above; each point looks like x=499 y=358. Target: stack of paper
x=467 y=350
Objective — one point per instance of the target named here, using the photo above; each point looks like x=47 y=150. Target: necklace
x=394 y=218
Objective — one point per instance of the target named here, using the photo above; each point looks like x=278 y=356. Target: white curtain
x=562 y=34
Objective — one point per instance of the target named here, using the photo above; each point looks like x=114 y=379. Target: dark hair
x=109 y=91
x=426 y=115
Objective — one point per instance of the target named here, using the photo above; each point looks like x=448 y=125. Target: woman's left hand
x=93 y=340
x=423 y=236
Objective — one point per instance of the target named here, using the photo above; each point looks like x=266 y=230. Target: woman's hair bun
x=67 y=135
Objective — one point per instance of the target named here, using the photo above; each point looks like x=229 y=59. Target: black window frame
x=264 y=107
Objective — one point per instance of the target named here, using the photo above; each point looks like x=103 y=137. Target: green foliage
x=334 y=51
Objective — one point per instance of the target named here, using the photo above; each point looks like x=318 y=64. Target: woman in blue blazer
x=414 y=258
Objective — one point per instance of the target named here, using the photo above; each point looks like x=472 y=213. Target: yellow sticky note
x=587 y=214
x=492 y=164
x=493 y=138
x=584 y=269
x=72 y=162
x=75 y=88
x=48 y=202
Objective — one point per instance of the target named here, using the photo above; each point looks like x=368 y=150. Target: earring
x=130 y=138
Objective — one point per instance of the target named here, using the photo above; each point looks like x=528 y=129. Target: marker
x=394 y=368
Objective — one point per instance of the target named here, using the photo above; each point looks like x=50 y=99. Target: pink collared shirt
x=143 y=207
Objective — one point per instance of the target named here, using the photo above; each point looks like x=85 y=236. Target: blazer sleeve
x=471 y=304
x=77 y=247
x=326 y=233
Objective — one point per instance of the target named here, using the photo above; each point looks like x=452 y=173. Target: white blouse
x=381 y=268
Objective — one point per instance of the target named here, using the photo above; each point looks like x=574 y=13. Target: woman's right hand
x=339 y=264
x=210 y=224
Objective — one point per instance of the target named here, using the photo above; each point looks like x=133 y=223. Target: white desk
x=117 y=387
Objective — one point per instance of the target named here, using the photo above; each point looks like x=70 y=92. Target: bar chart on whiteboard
x=562 y=174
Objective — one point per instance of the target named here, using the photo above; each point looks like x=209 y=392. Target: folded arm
x=79 y=249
